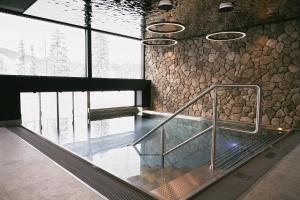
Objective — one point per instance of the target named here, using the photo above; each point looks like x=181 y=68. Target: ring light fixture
x=154 y=27
x=225 y=36
x=159 y=42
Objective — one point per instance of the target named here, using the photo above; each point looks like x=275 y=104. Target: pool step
x=151 y=178
x=184 y=185
x=169 y=183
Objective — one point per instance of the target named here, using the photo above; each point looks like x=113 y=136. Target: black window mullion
x=88 y=53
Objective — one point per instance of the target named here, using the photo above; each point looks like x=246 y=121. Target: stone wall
x=269 y=56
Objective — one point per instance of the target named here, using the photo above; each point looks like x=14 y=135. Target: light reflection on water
x=125 y=163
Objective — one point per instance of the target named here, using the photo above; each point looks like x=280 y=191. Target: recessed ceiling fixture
x=226 y=7
x=165 y=27
x=165 y=5
x=159 y=42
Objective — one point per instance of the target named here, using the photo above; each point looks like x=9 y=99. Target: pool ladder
x=213 y=127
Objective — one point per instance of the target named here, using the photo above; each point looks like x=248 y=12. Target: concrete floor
x=27 y=174
x=280 y=183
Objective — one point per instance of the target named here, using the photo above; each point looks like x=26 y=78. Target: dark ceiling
x=16 y=5
x=128 y=17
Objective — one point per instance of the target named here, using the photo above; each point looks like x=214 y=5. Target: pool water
x=107 y=144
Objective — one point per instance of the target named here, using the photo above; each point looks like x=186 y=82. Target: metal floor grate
x=233 y=156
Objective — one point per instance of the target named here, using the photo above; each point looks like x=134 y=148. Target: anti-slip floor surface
x=280 y=183
x=27 y=174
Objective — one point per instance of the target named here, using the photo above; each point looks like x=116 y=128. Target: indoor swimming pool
x=107 y=144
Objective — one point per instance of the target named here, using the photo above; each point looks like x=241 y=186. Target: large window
x=33 y=47
x=111 y=99
x=116 y=57
x=30 y=111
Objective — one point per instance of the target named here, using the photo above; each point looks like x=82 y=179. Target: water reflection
x=122 y=18
x=131 y=17
x=105 y=144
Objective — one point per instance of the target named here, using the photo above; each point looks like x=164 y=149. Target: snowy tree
x=100 y=55
x=32 y=64
x=21 y=59
x=58 y=54
x=2 y=68
x=102 y=127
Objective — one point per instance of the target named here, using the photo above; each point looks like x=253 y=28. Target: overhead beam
x=16 y=5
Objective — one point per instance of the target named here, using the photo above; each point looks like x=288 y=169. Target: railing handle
x=214 y=131
x=162 y=147
x=258 y=107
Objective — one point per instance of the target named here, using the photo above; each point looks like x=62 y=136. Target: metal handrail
x=214 y=126
x=196 y=99
x=188 y=140
x=175 y=114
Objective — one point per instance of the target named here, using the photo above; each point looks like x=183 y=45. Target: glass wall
x=115 y=126
x=49 y=107
x=70 y=124
x=111 y=99
x=30 y=110
x=33 y=47
x=116 y=57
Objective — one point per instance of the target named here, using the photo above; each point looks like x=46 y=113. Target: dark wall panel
x=10 y=108
x=12 y=86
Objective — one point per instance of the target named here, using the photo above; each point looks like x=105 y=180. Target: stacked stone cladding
x=269 y=56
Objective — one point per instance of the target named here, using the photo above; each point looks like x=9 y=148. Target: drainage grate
x=247 y=149
x=235 y=155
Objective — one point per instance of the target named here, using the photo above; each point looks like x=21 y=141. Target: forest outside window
x=38 y=48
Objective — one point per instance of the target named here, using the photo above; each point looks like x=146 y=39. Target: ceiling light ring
x=173 y=41
x=209 y=36
x=180 y=27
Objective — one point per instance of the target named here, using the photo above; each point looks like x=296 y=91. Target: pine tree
x=58 y=54
x=32 y=66
x=21 y=59
x=100 y=56
x=44 y=66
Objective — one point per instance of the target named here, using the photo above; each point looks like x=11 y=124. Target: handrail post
x=213 y=132
x=162 y=147
x=258 y=108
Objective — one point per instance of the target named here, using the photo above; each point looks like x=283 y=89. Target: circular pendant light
x=225 y=36
x=165 y=27
x=226 y=7
x=159 y=42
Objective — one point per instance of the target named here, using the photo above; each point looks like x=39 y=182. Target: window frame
x=88 y=41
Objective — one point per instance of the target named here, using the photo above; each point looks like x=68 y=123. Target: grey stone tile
x=282 y=182
x=27 y=174
x=3 y=193
x=4 y=196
